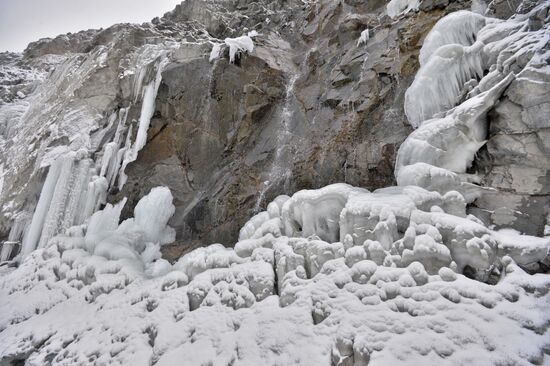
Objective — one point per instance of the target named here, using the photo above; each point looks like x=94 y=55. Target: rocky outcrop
x=516 y=159
x=336 y=104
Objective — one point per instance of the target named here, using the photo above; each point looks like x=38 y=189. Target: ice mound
x=396 y=8
x=394 y=265
x=236 y=46
x=460 y=27
x=460 y=53
x=467 y=63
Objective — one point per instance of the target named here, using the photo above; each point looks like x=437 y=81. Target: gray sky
x=24 y=21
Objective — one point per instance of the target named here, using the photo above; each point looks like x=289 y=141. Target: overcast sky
x=24 y=21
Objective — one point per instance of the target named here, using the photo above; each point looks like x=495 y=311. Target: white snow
x=363 y=38
x=331 y=276
x=396 y=8
x=236 y=46
x=397 y=298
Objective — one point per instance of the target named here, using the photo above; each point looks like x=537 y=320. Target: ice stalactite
x=17 y=231
x=95 y=196
x=236 y=46
x=64 y=200
x=31 y=239
x=149 y=94
x=460 y=27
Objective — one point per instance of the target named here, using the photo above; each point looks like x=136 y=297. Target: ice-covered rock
x=336 y=275
x=395 y=8
x=236 y=46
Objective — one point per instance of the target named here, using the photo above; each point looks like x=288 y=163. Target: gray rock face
x=216 y=135
x=516 y=161
x=310 y=106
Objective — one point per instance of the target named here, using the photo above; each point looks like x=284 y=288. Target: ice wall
x=77 y=181
x=467 y=62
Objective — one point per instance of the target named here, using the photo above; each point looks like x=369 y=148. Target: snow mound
x=396 y=8
x=236 y=46
x=460 y=27
x=395 y=264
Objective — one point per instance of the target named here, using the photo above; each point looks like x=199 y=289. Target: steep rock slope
x=308 y=107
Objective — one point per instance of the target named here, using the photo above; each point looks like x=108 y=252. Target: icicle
x=52 y=221
x=95 y=197
x=17 y=231
x=438 y=85
x=75 y=200
x=147 y=111
x=32 y=236
x=109 y=152
x=460 y=27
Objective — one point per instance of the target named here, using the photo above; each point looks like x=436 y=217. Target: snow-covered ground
x=389 y=292
x=338 y=275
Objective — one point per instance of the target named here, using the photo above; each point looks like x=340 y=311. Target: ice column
x=147 y=110
x=35 y=230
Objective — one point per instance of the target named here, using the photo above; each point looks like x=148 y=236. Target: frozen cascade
x=52 y=114
x=337 y=275
x=438 y=84
x=453 y=68
x=32 y=237
x=437 y=154
x=460 y=27
x=449 y=142
x=147 y=110
x=279 y=169
x=62 y=203
x=20 y=223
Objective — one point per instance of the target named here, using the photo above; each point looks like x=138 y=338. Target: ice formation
x=396 y=8
x=386 y=286
x=467 y=63
x=459 y=51
x=79 y=173
x=460 y=27
x=236 y=46
x=333 y=276
x=363 y=38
